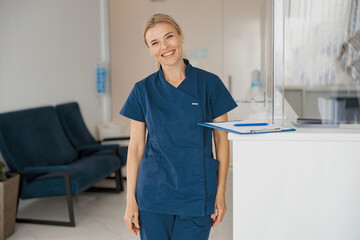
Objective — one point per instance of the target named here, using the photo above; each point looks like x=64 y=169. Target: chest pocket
x=175 y=123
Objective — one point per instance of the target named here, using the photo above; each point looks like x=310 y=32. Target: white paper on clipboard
x=229 y=127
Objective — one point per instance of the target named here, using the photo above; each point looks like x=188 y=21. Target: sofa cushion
x=83 y=173
x=34 y=137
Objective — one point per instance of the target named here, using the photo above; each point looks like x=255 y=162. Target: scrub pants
x=155 y=226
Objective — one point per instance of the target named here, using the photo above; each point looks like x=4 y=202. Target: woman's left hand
x=220 y=209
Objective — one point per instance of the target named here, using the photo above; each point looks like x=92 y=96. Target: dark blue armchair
x=80 y=137
x=33 y=143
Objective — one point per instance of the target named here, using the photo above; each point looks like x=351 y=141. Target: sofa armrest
x=116 y=139
x=45 y=169
x=98 y=147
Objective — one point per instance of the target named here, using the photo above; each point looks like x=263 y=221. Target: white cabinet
x=302 y=185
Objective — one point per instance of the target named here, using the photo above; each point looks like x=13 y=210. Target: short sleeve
x=221 y=100
x=132 y=108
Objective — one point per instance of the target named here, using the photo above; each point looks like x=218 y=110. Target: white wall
x=242 y=42
x=48 y=51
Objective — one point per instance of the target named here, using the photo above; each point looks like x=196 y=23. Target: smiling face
x=165 y=44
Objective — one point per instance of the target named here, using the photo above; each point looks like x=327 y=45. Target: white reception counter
x=302 y=185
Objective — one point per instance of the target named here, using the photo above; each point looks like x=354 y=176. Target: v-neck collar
x=187 y=71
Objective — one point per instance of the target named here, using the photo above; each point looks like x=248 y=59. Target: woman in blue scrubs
x=175 y=187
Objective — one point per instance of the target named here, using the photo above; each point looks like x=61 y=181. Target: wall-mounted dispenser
x=101 y=77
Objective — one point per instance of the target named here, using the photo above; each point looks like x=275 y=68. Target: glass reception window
x=263 y=100
x=310 y=63
x=319 y=59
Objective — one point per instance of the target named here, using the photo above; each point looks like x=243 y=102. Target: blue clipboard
x=246 y=127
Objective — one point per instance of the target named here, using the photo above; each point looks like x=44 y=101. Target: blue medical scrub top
x=178 y=174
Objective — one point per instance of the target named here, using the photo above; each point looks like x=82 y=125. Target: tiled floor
x=98 y=216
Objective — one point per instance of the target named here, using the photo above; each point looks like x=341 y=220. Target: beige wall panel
x=130 y=59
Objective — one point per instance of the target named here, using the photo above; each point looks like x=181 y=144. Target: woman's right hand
x=131 y=217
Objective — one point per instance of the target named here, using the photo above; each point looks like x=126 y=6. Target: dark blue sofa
x=33 y=143
x=80 y=137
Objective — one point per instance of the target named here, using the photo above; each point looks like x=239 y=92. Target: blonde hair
x=160 y=18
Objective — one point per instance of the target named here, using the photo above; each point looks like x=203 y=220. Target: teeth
x=167 y=54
